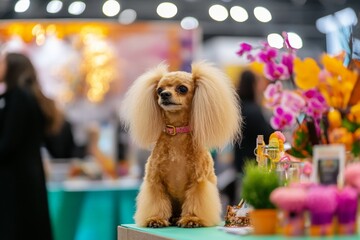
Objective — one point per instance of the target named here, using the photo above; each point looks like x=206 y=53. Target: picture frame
x=329 y=164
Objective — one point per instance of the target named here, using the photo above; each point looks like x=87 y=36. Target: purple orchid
x=244 y=48
x=286 y=40
x=316 y=106
x=272 y=94
x=274 y=71
x=267 y=55
x=316 y=103
x=293 y=102
x=288 y=60
x=282 y=118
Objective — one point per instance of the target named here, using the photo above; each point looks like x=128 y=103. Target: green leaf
x=356 y=148
x=350 y=126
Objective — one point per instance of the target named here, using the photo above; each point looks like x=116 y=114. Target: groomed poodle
x=181 y=115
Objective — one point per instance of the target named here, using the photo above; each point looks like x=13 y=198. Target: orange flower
x=306 y=73
x=341 y=135
x=357 y=135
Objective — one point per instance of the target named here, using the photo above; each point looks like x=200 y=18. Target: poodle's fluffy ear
x=140 y=112
x=216 y=115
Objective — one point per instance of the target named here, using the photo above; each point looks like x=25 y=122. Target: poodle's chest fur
x=176 y=161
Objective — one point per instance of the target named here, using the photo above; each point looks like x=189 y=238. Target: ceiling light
x=77 y=8
x=127 y=16
x=218 y=12
x=262 y=14
x=54 y=6
x=166 y=10
x=295 y=40
x=189 y=23
x=111 y=8
x=22 y=6
x=239 y=14
x=275 y=40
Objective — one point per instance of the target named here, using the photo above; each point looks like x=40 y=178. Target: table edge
x=134 y=234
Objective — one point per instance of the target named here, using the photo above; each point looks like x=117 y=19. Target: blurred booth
x=91 y=210
x=93 y=169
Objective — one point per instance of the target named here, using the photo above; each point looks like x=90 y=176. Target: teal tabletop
x=212 y=233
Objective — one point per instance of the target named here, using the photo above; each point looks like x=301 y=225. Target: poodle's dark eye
x=182 y=89
x=159 y=90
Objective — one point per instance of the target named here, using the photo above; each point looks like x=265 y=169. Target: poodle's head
x=204 y=99
x=175 y=91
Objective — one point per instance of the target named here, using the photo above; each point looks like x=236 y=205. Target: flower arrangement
x=320 y=104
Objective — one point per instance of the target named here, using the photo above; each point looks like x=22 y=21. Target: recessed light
x=22 y=6
x=189 y=23
x=54 y=6
x=295 y=40
x=239 y=14
x=218 y=12
x=262 y=14
x=127 y=16
x=275 y=40
x=111 y=8
x=166 y=10
x=77 y=8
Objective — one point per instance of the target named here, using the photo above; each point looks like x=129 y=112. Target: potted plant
x=258 y=183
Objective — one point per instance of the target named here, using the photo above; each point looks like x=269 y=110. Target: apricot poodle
x=180 y=116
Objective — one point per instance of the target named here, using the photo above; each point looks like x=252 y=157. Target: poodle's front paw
x=156 y=222
x=190 y=222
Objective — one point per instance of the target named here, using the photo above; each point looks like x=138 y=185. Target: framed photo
x=329 y=164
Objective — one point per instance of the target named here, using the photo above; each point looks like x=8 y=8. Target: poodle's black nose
x=165 y=95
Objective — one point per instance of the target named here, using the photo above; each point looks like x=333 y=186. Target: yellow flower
x=306 y=73
x=354 y=114
x=341 y=82
x=355 y=108
x=334 y=118
x=257 y=67
x=333 y=65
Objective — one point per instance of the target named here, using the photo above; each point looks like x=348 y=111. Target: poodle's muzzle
x=165 y=95
x=165 y=98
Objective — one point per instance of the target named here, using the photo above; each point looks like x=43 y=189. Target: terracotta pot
x=264 y=221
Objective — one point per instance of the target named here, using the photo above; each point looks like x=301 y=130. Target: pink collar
x=172 y=130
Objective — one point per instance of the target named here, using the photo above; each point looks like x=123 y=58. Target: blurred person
x=250 y=90
x=26 y=116
x=105 y=162
x=61 y=145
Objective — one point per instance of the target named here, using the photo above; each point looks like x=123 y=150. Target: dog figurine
x=181 y=116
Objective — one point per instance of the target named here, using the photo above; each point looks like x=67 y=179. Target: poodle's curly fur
x=179 y=186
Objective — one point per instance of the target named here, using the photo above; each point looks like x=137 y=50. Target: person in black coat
x=26 y=115
x=250 y=90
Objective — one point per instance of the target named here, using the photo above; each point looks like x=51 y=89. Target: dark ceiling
x=287 y=15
